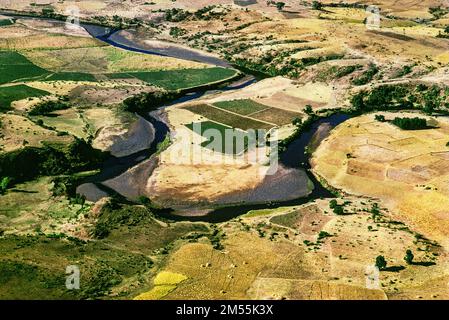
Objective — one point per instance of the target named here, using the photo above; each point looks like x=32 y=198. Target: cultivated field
x=404 y=168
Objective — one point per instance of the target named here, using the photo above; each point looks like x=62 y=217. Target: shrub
x=409 y=256
x=381 y=263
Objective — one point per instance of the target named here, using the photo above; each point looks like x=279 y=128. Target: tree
x=446 y=29
x=4 y=183
x=379 y=117
x=316 y=5
x=308 y=109
x=333 y=203
x=381 y=263
x=280 y=5
x=338 y=210
x=297 y=121
x=409 y=256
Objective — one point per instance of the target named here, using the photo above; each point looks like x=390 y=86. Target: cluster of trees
x=206 y=13
x=395 y=97
x=148 y=101
x=52 y=159
x=46 y=107
x=381 y=262
x=338 y=209
x=415 y=123
x=367 y=76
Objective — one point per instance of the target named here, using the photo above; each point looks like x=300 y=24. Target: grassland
x=180 y=79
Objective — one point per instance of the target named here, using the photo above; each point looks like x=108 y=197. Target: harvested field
x=408 y=177
x=243 y=107
x=227 y=118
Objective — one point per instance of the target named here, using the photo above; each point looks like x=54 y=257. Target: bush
x=47 y=107
x=381 y=263
x=410 y=123
x=409 y=256
x=4 y=184
x=316 y=5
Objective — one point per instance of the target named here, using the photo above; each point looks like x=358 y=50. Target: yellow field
x=407 y=169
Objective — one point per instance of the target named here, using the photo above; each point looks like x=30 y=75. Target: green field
x=71 y=76
x=6 y=22
x=14 y=66
x=179 y=79
x=18 y=92
x=227 y=118
x=224 y=145
x=244 y=106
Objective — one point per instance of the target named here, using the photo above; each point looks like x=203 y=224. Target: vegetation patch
x=71 y=76
x=14 y=66
x=226 y=135
x=18 y=92
x=179 y=79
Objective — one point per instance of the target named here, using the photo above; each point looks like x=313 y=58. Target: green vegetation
x=367 y=76
x=6 y=22
x=227 y=118
x=52 y=159
x=280 y=5
x=148 y=101
x=438 y=12
x=240 y=139
x=14 y=66
x=410 y=123
x=381 y=263
x=180 y=79
x=316 y=5
x=338 y=209
x=243 y=106
x=396 y=97
x=323 y=234
x=409 y=256
x=71 y=76
x=34 y=267
x=47 y=107
x=18 y=92
x=4 y=184
x=114 y=215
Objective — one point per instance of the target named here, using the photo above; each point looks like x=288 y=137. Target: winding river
x=296 y=155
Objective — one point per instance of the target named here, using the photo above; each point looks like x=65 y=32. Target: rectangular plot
x=222 y=144
x=243 y=106
x=180 y=79
x=14 y=66
x=276 y=116
x=227 y=118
